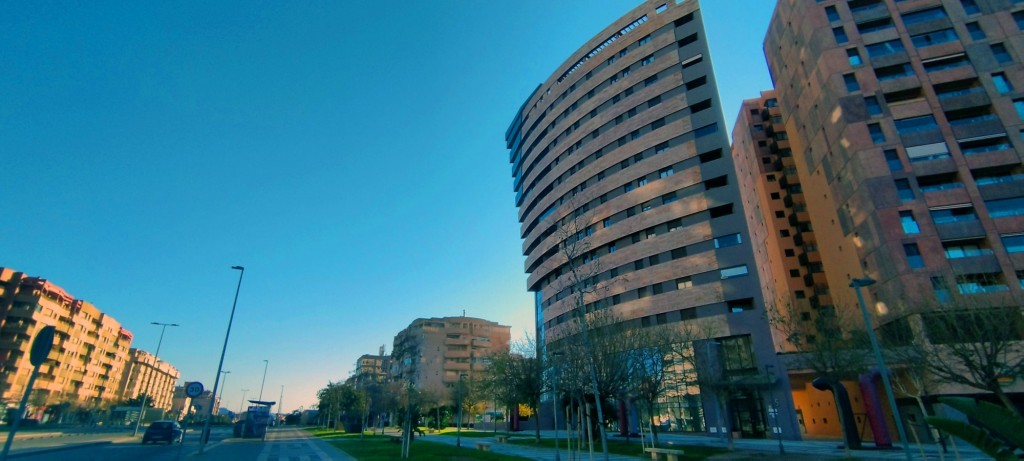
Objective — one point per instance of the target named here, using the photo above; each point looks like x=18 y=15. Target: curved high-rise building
x=623 y=173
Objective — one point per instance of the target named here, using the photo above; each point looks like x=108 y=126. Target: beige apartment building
x=89 y=354
x=433 y=354
x=146 y=374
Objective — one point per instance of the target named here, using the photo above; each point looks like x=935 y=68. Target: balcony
x=977 y=127
x=960 y=230
x=975 y=264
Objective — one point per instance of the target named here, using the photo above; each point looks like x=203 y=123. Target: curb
x=33 y=452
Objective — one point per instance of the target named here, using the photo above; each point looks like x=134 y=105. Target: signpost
x=40 y=349
x=194 y=389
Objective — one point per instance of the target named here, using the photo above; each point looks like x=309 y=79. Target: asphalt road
x=282 y=444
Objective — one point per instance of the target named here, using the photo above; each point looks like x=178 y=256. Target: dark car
x=168 y=431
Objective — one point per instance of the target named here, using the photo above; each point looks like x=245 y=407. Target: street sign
x=42 y=345
x=194 y=389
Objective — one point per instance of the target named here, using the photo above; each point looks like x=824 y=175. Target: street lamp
x=223 y=386
x=220 y=366
x=156 y=364
x=242 y=404
x=857 y=284
x=266 y=363
x=554 y=400
x=458 y=426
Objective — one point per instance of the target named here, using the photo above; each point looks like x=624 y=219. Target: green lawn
x=382 y=448
x=620 y=447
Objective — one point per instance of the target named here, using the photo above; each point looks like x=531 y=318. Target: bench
x=670 y=454
x=502 y=438
x=483 y=446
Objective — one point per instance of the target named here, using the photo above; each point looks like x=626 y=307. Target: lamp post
x=266 y=363
x=156 y=363
x=223 y=386
x=857 y=284
x=458 y=426
x=554 y=400
x=775 y=406
x=220 y=366
x=242 y=404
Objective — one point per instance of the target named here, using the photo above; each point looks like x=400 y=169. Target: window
x=647 y=60
x=650 y=80
x=884 y=48
x=1019 y=105
x=840 y=34
x=732 y=272
x=977 y=33
x=875 y=25
x=877 y=136
x=986 y=144
x=925 y=15
x=661 y=148
x=970 y=6
x=1014 y=243
x=728 y=240
x=1000 y=53
x=914 y=259
x=831 y=13
x=1018 y=17
x=893 y=72
x=980 y=283
x=873 y=107
x=915 y=125
x=668 y=198
x=1003 y=85
x=644 y=41
x=903 y=190
x=952 y=214
x=684 y=282
x=741 y=305
x=909 y=223
x=661 y=9
x=938 y=182
x=927 y=152
x=851 y=83
x=641 y=292
x=738 y=356
x=933 y=38
x=940 y=289
x=957 y=250
x=854 y=56
x=1005 y=207
x=892 y=158
x=665 y=172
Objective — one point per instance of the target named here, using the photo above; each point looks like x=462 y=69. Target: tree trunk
x=998 y=391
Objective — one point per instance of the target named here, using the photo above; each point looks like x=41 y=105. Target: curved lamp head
x=863 y=282
x=238 y=268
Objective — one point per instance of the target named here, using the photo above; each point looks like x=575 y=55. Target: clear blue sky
x=349 y=154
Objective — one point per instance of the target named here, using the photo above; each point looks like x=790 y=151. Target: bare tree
x=579 y=279
x=974 y=340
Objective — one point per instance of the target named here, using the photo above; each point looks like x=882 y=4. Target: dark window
x=851 y=83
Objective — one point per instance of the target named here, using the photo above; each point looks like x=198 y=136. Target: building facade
x=904 y=121
x=371 y=369
x=621 y=171
x=434 y=354
x=89 y=354
x=146 y=374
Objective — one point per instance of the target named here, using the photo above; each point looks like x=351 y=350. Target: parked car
x=169 y=431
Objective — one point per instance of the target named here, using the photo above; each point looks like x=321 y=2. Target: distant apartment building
x=371 y=369
x=435 y=353
x=181 y=404
x=621 y=157
x=905 y=120
x=89 y=354
x=146 y=374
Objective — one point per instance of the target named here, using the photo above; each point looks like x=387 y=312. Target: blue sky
x=349 y=154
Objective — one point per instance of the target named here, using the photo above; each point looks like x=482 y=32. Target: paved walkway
x=758 y=449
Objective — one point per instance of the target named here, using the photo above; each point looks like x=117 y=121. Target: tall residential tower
x=621 y=168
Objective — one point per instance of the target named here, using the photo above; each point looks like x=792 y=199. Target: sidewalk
x=759 y=449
